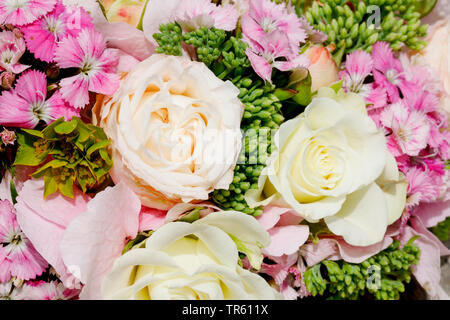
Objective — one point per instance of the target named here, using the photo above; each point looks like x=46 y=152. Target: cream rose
x=333 y=163
x=197 y=261
x=175 y=130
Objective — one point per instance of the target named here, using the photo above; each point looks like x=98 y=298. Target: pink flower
x=428 y=270
x=12 y=48
x=41 y=290
x=423 y=185
x=192 y=14
x=18 y=258
x=265 y=17
x=322 y=68
x=273 y=51
x=20 y=12
x=8 y=137
x=97 y=66
x=43 y=35
x=387 y=70
x=357 y=67
x=410 y=129
x=26 y=105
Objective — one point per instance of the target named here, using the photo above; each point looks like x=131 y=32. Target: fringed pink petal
x=75 y=91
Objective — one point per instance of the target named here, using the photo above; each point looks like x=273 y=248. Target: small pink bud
x=7 y=79
x=8 y=137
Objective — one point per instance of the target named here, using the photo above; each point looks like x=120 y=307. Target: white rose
x=175 y=130
x=333 y=163
x=197 y=261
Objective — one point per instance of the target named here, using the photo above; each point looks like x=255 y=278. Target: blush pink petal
x=44 y=221
x=18 y=116
x=151 y=219
x=128 y=39
x=260 y=65
x=32 y=86
x=96 y=237
x=59 y=108
x=286 y=240
x=428 y=270
x=68 y=54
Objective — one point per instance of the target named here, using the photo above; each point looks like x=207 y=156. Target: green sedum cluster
x=69 y=152
x=442 y=230
x=381 y=276
x=225 y=55
x=350 y=25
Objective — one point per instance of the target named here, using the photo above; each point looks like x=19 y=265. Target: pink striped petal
x=75 y=90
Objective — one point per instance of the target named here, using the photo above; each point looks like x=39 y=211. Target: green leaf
x=26 y=153
x=35 y=133
x=13 y=190
x=66 y=188
x=51 y=164
x=66 y=127
x=49 y=132
x=50 y=186
x=192 y=215
x=284 y=94
x=252 y=251
x=99 y=145
x=304 y=95
x=336 y=86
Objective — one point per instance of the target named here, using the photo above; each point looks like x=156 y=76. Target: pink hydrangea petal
x=433 y=213
x=286 y=240
x=95 y=238
x=128 y=39
x=151 y=219
x=428 y=270
x=44 y=220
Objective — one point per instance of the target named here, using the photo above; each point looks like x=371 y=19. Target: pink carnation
x=24 y=11
x=410 y=129
x=41 y=290
x=12 y=47
x=357 y=67
x=192 y=14
x=273 y=51
x=43 y=35
x=18 y=258
x=96 y=64
x=423 y=185
x=265 y=17
x=27 y=104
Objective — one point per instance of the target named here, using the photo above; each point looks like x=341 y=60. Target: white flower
x=175 y=131
x=197 y=261
x=333 y=164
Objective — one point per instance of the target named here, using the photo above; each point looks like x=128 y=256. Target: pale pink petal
x=75 y=90
x=69 y=54
x=225 y=17
x=151 y=219
x=260 y=65
x=286 y=240
x=44 y=220
x=428 y=270
x=95 y=238
x=59 y=108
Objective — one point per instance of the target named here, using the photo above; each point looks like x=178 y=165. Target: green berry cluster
x=442 y=230
x=169 y=39
x=262 y=115
x=382 y=276
x=350 y=25
x=208 y=42
x=67 y=152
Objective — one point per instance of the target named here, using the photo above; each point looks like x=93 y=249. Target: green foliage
x=68 y=152
x=169 y=39
x=382 y=276
x=262 y=115
x=442 y=230
x=350 y=24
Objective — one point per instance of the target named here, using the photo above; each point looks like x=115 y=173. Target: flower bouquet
x=247 y=149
